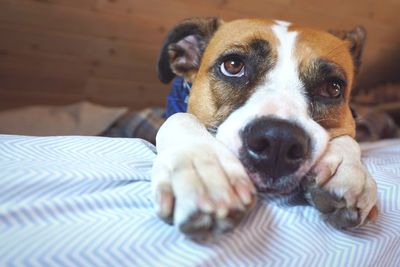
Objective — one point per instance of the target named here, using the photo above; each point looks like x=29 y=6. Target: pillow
x=83 y=118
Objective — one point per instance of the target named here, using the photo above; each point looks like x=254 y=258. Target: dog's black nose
x=275 y=147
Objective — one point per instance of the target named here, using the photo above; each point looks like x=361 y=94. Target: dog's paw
x=340 y=187
x=201 y=188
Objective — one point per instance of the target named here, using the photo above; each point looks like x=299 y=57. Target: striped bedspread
x=85 y=201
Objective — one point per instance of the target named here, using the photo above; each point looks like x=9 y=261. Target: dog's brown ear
x=184 y=47
x=356 y=40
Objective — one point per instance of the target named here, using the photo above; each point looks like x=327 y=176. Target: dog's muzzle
x=274 y=149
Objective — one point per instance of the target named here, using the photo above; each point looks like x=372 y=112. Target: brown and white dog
x=268 y=112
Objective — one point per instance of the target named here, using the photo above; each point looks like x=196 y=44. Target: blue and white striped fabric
x=85 y=201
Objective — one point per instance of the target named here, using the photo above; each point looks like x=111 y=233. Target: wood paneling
x=61 y=51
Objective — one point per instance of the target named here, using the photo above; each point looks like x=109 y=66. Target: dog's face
x=274 y=93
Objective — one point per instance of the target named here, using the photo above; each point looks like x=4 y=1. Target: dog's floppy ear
x=356 y=40
x=184 y=46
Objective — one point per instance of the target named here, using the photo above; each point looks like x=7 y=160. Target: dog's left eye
x=330 y=90
x=232 y=67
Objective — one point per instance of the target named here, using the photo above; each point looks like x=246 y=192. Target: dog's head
x=273 y=92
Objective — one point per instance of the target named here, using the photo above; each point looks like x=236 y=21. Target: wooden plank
x=386 y=12
x=258 y=8
x=310 y=14
x=12 y=99
x=334 y=8
x=131 y=94
x=18 y=82
x=381 y=66
x=43 y=64
x=37 y=63
x=108 y=92
x=81 y=4
x=126 y=72
x=89 y=23
x=167 y=11
x=23 y=38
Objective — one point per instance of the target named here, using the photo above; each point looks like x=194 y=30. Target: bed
x=86 y=201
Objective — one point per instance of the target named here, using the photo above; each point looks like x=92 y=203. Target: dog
x=268 y=112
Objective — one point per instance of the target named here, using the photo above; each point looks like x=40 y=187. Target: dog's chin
x=282 y=185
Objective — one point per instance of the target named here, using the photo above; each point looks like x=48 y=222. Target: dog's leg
x=198 y=184
x=340 y=186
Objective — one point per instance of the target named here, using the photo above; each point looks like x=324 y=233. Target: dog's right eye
x=232 y=67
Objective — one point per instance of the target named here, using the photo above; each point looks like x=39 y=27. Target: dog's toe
x=197 y=226
x=229 y=222
x=344 y=218
x=201 y=226
x=340 y=187
x=333 y=208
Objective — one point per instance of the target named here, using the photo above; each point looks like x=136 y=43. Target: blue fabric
x=86 y=201
x=177 y=100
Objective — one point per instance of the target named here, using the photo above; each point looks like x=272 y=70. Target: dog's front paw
x=340 y=187
x=203 y=189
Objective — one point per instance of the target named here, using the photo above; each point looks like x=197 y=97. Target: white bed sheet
x=85 y=201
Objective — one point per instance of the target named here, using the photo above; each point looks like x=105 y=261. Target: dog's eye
x=232 y=67
x=330 y=90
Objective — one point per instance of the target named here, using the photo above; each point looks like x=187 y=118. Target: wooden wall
x=61 y=51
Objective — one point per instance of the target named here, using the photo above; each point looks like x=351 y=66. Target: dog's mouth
x=282 y=185
x=277 y=185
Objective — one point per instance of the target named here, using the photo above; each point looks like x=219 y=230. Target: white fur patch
x=282 y=23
